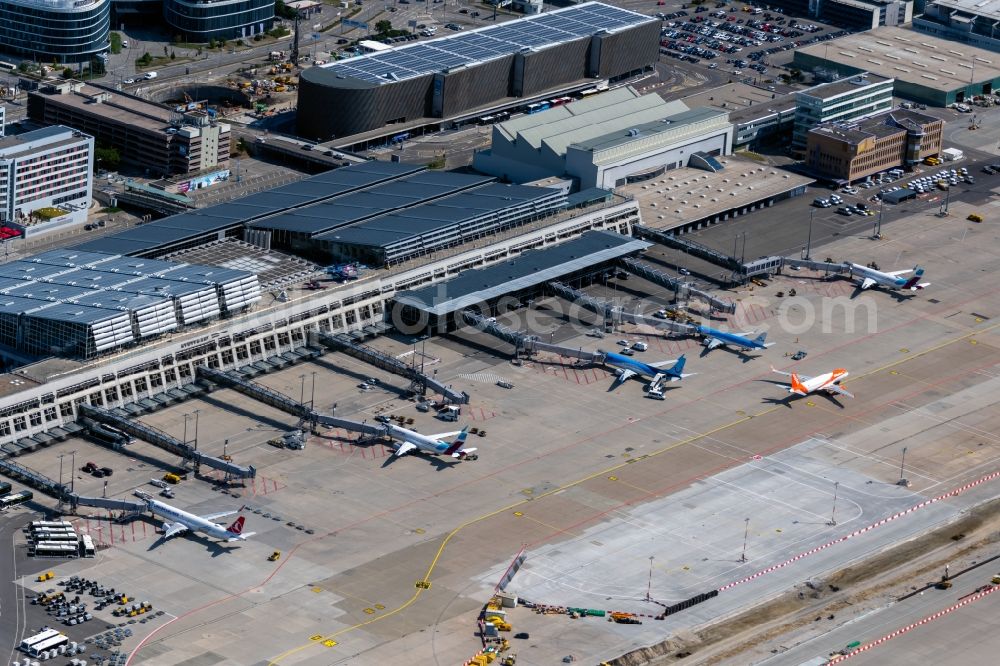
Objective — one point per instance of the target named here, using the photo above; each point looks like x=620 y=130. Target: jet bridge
x=161 y=439
x=595 y=305
x=685 y=245
x=256 y=391
x=824 y=266
x=524 y=342
x=340 y=342
x=36 y=480
x=682 y=289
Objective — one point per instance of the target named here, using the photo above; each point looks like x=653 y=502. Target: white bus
x=31 y=641
x=48 y=644
x=87 y=546
x=69 y=549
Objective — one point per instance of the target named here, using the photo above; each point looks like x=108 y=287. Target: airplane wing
x=920 y=286
x=660 y=364
x=712 y=343
x=868 y=283
x=242 y=537
x=446 y=435
x=833 y=388
x=404 y=448
x=898 y=273
x=802 y=378
x=173 y=529
x=624 y=376
x=221 y=514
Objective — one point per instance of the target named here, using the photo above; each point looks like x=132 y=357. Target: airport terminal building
x=606 y=141
x=466 y=71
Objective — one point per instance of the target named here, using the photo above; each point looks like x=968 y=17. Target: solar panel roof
x=216 y=218
x=440 y=214
x=465 y=48
x=361 y=205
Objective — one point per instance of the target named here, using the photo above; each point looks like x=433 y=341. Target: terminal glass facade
x=204 y=20
x=62 y=31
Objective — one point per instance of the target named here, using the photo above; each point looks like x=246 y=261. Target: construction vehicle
x=498 y=622
x=274 y=557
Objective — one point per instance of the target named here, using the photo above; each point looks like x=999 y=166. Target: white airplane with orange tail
x=802 y=385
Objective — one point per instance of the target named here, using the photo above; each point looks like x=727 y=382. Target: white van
x=149 y=75
x=640 y=346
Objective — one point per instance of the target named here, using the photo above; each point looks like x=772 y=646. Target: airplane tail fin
x=459 y=441
x=237 y=526
x=912 y=282
x=678 y=369
x=798 y=386
x=760 y=338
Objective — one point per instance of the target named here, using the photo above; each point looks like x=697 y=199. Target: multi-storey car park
x=478 y=69
x=106 y=351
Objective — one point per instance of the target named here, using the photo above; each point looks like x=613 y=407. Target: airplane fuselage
x=192 y=522
x=730 y=338
x=638 y=367
x=822 y=381
x=883 y=279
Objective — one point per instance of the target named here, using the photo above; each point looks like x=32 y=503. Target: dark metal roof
x=360 y=205
x=192 y=224
x=440 y=214
x=528 y=270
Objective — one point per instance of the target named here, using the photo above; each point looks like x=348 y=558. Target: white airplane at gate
x=410 y=441
x=177 y=521
x=869 y=277
x=828 y=381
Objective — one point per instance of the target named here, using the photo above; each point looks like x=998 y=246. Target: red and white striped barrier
x=899 y=632
x=863 y=530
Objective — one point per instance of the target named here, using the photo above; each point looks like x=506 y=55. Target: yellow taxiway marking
x=425 y=583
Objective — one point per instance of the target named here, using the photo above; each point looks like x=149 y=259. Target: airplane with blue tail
x=714 y=338
x=627 y=368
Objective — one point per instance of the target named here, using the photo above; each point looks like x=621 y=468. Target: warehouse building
x=841 y=101
x=146 y=135
x=972 y=22
x=475 y=70
x=849 y=152
x=46 y=179
x=605 y=141
x=926 y=69
x=854 y=14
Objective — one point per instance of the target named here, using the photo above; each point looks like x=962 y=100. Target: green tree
x=107 y=157
x=283 y=10
x=383 y=26
x=67 y=73
x=173 y=55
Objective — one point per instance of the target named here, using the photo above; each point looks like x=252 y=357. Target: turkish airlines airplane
x=176 y=521
x=802 y=385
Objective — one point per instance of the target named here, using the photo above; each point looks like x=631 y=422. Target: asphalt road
x=12 y=611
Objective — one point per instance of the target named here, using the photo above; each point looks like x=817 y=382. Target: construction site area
x=619 y=522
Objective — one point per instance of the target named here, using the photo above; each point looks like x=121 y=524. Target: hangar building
x=448 y=76
x=606 y=141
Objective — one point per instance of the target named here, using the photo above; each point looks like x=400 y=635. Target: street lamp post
x=833 y=514
x=186 y=417
x=196 y=412
x=302 y=390
x=312 y=395
x=902 y=481
x=746 y=534
x=809 y=238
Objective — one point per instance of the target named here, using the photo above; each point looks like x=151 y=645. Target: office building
x=46 y=177
x=606 y=140
x=205 y=20
x=760 y=118
x=926 y=69
x=146 y=135
x=3 y=120
x=61 y=31
x=475 y=70
x=848 y=152
x=853 y=97
x=972 y=22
